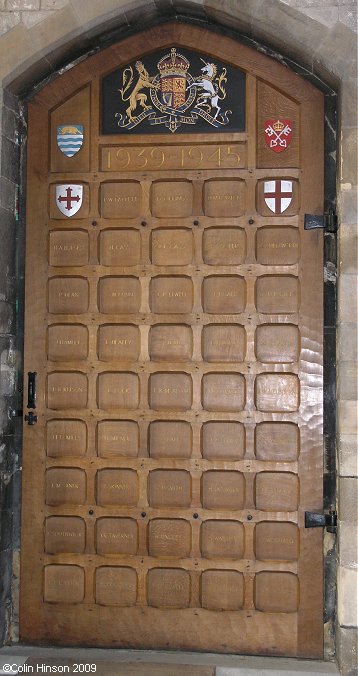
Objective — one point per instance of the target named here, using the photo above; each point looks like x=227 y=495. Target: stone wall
x=40 y=36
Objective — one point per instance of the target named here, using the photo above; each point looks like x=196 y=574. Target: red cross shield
x=69 y=198
x=278 y=195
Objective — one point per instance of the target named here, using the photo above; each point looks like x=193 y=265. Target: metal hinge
x=322 y=520
x=327 y=221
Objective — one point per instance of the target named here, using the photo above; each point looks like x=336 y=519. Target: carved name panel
x=276 y=541
x=67 y=390
x=65 y=486
x=171 y=295
x=277 y=392
x=277 y=246
x=223 y=490
x=67 y=342
x=66 y=438
x=68 y=248
x=222 y=590
x=121 y=200
x=119 y=247
x=65 y=534
x=64 y=584
x=276 y=491
x=223 y=440
x=116 y=536
x=223 y=392
x=168 y=588
x=169 y=488
x=172 y=246
x=172 y=199
x=170 y=391
x=222 y=539
x=277 y=294
x=224 y=198
x=224 y=246
x=224 y=294
x=169 y=537
x=170 y=342
x=115 y=586
x=170 y=439
x=223 y=343
x=277 y=343
x=118 y=390
x=276 y=592
x=118 y=342
x=278 y=441
x=118 y=295
x=117 y=438
x=117 y=487
x=68 y=295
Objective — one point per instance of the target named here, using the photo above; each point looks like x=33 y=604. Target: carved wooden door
x=174 y=320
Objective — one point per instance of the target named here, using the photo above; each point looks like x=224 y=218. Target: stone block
x=348 y=16
x=348 y=156
x=53 y=4
x=338 y=52
x=6 y=317
x=347 y=207
x=56 y=30
x=8 y=20
x=347 y=298
x=347 y=651
x=137 y=9
x=348 y=499
x=14 y=5
x=348 y=544
x=89 y=11
x=348 y=104
x=348 y=417
x=348 y=248
x=7 y=194
x=9 y=159
x=348 y=342
x=10 y=100
x=9 y=124
x=347 y=597
x=348 y=380
x=348 y=455
x=30 y=19
x=328 y=17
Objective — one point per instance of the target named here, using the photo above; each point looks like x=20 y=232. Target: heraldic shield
x=69 y=198
x=70 y=138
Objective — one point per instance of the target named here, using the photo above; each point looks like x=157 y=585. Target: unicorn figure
x=210 y=85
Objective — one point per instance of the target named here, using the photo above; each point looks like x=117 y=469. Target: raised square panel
x=224 y=246
x=223 y=490
x=277 y=392
x=171 y=295
x=169 y=488
x=64 y=584
x=277 y=294
x=170 y=439
x=119 y=247
x=170 y=342
x=170 y=391
x=67 y=342
x=66 y=438
x=222 y=539
x=172 y=246
x=118 y=390
x=276 y=492
x=276 y=541
x=115 y=586
x=119 y=295
x=277 y=441
x=222 y=590
x=224 y=294
x=223 y=440
x=277 y=343
x=121 y=200
x=276 y=592
x=224 y=198
x=277 y=246
x=69 y=197
x=68 y=247
x=116 y=536
x=168 y=588
x=67 y=390
x=65 y=534
x=172 y=199
x=169 y=537
x=223 y=343
x=118 y=342
x=117 y=487
x=223 y=392
x=68 y=295
x=282 y=195
x=117 y=438
x=65 y=486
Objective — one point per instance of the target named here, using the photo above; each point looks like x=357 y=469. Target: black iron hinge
x=327 y=221
x=322 y=520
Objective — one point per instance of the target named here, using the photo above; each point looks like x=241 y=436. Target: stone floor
x=37 y=660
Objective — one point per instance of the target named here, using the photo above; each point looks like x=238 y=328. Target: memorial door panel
x=174 y=319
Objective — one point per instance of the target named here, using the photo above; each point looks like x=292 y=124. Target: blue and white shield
x=70 y=138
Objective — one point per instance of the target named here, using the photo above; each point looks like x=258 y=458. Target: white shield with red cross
x=69 y=198
x=278 y=195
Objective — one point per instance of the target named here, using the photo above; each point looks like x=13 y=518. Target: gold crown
x=278 y=126
x=173 y=63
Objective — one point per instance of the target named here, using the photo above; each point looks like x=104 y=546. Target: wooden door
x=174 y=320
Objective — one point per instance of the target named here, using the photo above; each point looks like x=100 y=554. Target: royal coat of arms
x=173 y=97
